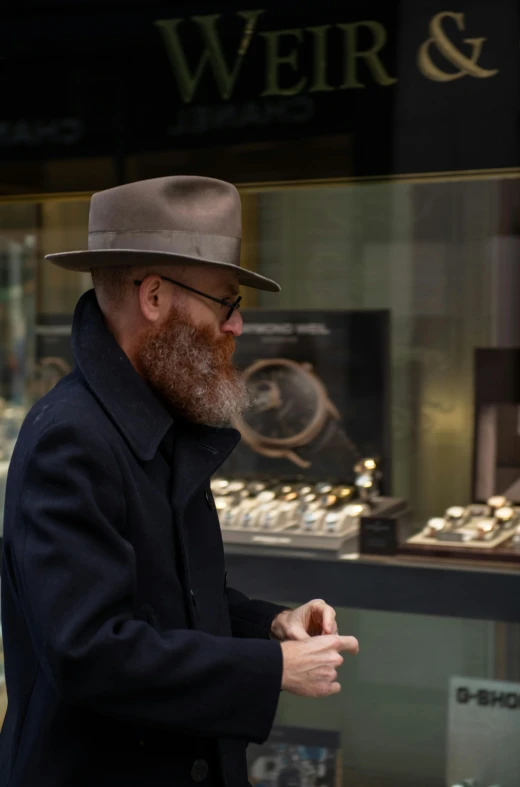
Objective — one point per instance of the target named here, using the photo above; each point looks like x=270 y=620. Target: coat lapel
x=198 y=452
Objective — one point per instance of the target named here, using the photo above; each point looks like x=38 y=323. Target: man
x=129 y=661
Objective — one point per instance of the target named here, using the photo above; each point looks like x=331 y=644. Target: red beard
x=192 y=370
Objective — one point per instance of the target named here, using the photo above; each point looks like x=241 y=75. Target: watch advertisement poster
x=296 y=757
x=319 y=391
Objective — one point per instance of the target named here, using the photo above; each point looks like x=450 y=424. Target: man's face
x=186 y=355
x=217 y=282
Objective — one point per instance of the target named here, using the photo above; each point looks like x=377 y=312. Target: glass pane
x=36 y=299
x=64 y=226
x=18 y=250
x=430 y=253
x=393 y=711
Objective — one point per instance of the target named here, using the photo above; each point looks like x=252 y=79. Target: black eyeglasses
x=232 y=307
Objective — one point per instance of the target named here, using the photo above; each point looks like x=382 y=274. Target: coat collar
x=130 y=403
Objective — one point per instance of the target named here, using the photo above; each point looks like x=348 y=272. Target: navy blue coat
x=129 y=662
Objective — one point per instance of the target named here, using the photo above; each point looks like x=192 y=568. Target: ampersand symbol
x=468 y=66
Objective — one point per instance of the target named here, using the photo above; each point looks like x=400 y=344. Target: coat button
x=199 y=771
x=209 y=500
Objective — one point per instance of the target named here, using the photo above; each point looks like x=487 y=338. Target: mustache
x=225 y=346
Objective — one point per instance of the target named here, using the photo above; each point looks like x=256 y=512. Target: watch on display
x=492 y=524
x=456 y=515
x=498 y=501
x=321 y=509
x=505 y=515
x=367 y=476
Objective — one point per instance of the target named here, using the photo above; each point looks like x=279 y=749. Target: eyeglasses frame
x=231 y=306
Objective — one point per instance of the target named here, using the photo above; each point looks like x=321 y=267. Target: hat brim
x=105 y=258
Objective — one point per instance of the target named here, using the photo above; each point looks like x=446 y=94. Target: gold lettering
x=319 y=77
x=275 y=60
x=467 y=66
x=371 y=57
x=212 y=56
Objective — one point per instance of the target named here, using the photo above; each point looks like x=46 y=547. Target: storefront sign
x=406 y=86
x=283 y=51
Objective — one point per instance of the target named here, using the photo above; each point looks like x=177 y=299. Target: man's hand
x=310 y=620
x=309 y=668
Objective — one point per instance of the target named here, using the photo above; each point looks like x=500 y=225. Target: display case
x=314 y=467
x=489 y=526
x=434 y=694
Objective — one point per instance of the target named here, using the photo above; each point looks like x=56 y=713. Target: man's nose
x=234 y=325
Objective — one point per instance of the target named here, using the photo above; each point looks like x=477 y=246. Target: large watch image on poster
x=319 y=389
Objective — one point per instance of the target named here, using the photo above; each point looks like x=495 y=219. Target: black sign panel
x=319 y=388
x=408 y=86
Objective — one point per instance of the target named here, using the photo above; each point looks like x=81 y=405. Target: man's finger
x=350 y=644
x=296 y=632
x=328 y=620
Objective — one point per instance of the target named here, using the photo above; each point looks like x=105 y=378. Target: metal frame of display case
x=393 y=584
x=462 y=590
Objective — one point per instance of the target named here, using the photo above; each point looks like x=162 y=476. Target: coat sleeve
x=78 y=578
x=250 y=618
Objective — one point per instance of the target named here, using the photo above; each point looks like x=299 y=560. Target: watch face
x=323 y=488
x=247 y=518
x=221 y=503
x=434 y=526
x=266 y=496
x=486 y=526
x=455 y=512
x=234 y=487
x=227 y=518
x=219 y=486
x=504 y=514
x=268 y=517
x=332 y=522
x=327 y=501
x=311 y=520
x=255 y=487
x=286 y=400
x=365 y=466
x=354 y=509
x=343 y=493
x=497 y=501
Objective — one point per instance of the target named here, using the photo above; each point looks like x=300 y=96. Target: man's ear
x=151 y=295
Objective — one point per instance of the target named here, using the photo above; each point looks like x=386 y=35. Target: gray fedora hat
x=159 y=222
